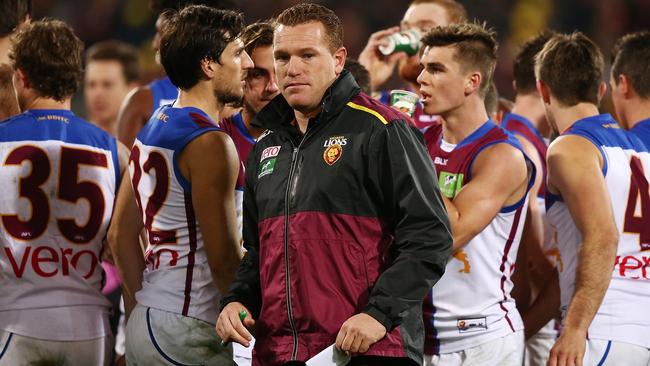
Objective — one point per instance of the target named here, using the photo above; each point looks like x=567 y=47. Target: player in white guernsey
x=183 y=171
x=59 y=177
x=484 y=176
x=596 y=189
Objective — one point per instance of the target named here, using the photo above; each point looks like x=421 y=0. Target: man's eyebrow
x=433 y=65
x=299 y=51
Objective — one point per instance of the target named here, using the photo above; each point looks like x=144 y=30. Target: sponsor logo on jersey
x=332 y=154
x=162 y=117
x=53 y=117
x=472 y=325
x=461 y=256
x=270 y=152
x=634 y=267
x=440 y=161
x=266 y=167
x=450 y=183
x=336 y=140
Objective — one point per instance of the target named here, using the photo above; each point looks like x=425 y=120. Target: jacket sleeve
x=404 y=177
x=245 y=287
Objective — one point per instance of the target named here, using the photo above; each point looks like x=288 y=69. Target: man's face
x=442 y=81
x=618 y=99
x=421 y=17
x=155 y=43
x=105 y=87
x=229 y=80
x=304 y=64
x=261 y=83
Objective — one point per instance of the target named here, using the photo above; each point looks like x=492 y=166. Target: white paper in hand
x=330 y=356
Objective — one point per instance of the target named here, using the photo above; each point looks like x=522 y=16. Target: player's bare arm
x=575 y=173
x=545 y=307
x=211 y=164
x=499 y=179
x=134 y=113
x=123 y=239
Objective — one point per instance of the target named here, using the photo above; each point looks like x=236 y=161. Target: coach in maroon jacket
x=343 y=221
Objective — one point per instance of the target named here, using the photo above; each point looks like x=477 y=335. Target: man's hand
x=230 y=327
x=379 y=66
x=358 y=333
x=569 y=349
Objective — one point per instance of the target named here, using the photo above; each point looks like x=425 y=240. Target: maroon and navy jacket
x=341 y=220
x=521 y=126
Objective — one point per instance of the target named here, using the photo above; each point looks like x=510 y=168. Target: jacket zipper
x=287 y=278
x=288 y=198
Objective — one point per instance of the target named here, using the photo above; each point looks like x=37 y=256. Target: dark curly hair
x=195 y=34
x=159 y=5
x=50 y=55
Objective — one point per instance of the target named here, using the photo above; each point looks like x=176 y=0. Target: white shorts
x=504 y=351
x=538 y=349
x=158 y=337
x=609 y=353
x=17 y=350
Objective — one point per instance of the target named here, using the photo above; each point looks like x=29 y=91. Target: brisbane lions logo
x=334 y=149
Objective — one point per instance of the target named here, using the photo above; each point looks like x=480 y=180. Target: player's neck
x=462 y=121
x=531 y=107
x=47 y=103
x=303 y=118
x=637 y=110
x=201 y=96
x=565 y=117
x=247 y=116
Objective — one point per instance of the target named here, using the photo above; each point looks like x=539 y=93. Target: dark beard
x=229 y=99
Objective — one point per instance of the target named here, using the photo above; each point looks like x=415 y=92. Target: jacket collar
x=278 y=114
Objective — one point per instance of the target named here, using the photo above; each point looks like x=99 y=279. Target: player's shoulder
x=375 y=111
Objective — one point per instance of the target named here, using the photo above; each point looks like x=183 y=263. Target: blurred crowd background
x=514 y=20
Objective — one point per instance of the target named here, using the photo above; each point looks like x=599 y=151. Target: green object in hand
x=242 y=316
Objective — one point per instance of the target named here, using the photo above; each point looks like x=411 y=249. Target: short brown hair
x=631 y=57
x=456 y=12
x=50 y=54
x=524 y=65
x=307 y=12
x=114 y=50
x=475 y=46
x=572 y=67
x=259 y=34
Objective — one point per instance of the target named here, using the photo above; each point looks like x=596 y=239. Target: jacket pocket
x=329 y=283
